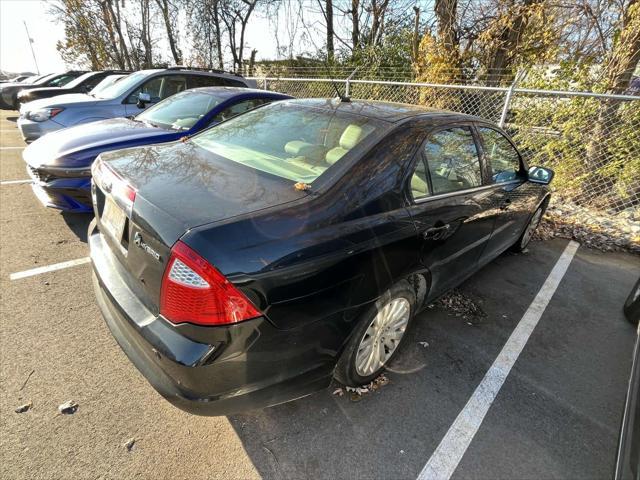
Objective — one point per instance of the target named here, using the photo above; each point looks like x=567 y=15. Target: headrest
x=351 y=136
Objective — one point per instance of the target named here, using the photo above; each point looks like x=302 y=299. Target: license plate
x=113 y=219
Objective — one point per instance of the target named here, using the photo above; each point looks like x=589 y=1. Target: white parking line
x=49 y=268
x=15 y=182
x=447 y=456
x=12 y=148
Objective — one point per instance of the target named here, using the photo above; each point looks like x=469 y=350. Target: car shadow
x=78 y=223
x=12 y=119
x=391 y=432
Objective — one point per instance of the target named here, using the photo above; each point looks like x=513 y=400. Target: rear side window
x=419 y=180
x=237 y=109
x=500 y=154
x=452 y=160
x=196 y=81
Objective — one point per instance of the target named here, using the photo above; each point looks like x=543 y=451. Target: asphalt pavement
x=557 y=414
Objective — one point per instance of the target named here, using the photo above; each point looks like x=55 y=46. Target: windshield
x=44 y=79
x=78 y=80
x=105 y=83
x=62 y=80
x=123 y=86
x=180 y=111
x=290 y=141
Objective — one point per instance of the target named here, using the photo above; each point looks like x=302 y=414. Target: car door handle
x=436 y=233
x=504 y=205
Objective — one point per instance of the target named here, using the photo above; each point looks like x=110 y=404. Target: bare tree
x=329 y=18
x=170 y=17
x=234 y=14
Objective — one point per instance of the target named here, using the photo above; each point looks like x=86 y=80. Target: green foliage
x=557 y=131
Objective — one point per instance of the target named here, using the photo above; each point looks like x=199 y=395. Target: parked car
x=105 y=83
x=82 y=84
x=125 y=98
x=9 y=91
x=19 y=79
x=628 y=456
x=60 y=163
x=252 y=263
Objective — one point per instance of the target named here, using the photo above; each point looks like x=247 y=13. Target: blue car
x=60 y=163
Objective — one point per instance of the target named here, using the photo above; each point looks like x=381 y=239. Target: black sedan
x=82 y=84
x=9 y=91
x=254 y=262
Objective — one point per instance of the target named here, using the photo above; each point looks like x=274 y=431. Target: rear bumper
x=205 y=370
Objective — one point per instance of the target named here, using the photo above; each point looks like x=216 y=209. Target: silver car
x=128 y=96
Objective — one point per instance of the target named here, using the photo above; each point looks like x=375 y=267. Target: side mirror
x=143 y=99
x=541 y=175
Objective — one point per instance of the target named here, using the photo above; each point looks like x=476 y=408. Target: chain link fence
x=592 y=141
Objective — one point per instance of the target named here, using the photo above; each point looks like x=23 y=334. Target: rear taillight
x=112 y=183
x=194 y=291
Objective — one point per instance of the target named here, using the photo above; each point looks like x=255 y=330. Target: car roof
x=387 y=111
x=228 y=92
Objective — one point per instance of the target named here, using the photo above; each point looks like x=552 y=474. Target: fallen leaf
x=68 y=408
x=24 y=408
x=129 y=444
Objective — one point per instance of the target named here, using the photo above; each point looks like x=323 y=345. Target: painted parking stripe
x=12 y=148
x=15 y=182
x=49 y=268
x=447 y=456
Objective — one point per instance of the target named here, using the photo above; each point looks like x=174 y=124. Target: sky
x=15 y=54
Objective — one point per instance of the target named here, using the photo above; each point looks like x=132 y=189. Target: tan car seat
x=351 y=136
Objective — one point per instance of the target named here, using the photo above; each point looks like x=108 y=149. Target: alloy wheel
x=382 y=336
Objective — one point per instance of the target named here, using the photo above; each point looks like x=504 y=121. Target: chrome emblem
x=140 y=243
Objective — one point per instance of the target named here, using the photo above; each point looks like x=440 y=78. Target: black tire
x=346 y=371
x=524 y=239
x=632 y=305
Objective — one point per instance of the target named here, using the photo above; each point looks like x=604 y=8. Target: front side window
x=453 y=160
x=289 y=141
x=500 y=154
x=160 y=88
x=181 y=111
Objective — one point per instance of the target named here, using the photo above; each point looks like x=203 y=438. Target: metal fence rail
x=591 y=140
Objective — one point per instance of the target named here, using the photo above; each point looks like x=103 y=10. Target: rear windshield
x=287 y=140
x=180 y=111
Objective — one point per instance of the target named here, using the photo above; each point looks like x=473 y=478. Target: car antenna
x=343 y=98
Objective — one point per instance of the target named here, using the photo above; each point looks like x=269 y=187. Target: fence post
x=347 y=85
x=265 y=83
x=507 y=101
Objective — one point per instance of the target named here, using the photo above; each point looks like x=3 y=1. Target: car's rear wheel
x=378 y=335
x=527 y=234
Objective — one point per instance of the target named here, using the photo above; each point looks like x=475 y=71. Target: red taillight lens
x=55 y=111
x=194 y=291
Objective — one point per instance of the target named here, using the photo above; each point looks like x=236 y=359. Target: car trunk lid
x=178 y=186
